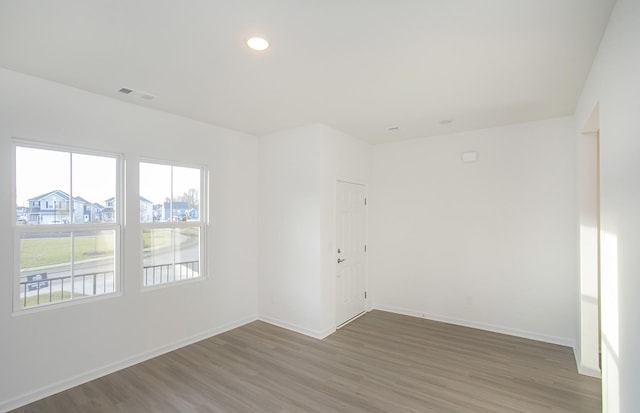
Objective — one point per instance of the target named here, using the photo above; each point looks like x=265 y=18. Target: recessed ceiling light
x=258 y=42
x=446 y=121
x=393 y=128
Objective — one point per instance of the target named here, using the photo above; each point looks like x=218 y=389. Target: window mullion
x=71 y=204
x=171 y=197
x=72 y=267
x=173 y=252
x=173 y=232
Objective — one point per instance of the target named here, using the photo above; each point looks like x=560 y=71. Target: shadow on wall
x=610 y=322
x=589 y=300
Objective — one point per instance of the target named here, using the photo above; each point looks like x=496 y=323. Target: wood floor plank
x=380 y=362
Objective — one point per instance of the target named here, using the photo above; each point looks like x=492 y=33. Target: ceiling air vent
x=137 y=93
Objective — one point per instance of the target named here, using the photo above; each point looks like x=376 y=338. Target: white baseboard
x=584 y=370
x=588 y=371
x=65 y=384
x=298 y=329
x=563 y=341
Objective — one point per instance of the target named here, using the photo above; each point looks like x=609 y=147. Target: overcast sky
x=40 y=171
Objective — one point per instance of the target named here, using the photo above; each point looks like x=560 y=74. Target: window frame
x=202 y=223
x=116 y=225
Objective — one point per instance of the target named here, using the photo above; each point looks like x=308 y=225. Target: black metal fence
x=46 y=289
x=39 y=288
x=161 y=274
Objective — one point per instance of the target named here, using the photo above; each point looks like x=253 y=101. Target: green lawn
x=39 y=252
x=156 y=237
x=42 y=252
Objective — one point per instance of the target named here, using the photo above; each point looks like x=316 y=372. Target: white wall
x=587 y=347
x=614 y=86
x=298 y=170
x=46 y=351
x=349 y=159
x=289 y=229
x=490 y=244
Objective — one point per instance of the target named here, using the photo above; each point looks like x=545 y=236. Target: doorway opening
x=590 y=230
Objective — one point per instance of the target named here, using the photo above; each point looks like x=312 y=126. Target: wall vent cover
x=137 y=93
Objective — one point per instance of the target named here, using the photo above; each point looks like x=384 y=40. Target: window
x=66 y=248
x=173 y=228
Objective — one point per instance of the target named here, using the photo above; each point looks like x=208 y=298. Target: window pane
x=155 y=192
x=186 y=194
x=158 y=255
x=171 y=254
x=187 y=253
x=45 y=268
x=94 y=263
x=62 y=263
x=48 y=273
x=94 y=188
x=42 y=186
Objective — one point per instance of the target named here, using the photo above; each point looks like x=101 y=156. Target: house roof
x=63 y=195
x=143 y=199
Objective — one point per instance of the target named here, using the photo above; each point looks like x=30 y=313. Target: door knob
x=341 y=259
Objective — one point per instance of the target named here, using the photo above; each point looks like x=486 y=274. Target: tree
x=191 y=197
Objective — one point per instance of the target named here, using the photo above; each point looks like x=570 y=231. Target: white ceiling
x=360 y=66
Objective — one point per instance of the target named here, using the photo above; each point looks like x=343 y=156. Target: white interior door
x=351 y=250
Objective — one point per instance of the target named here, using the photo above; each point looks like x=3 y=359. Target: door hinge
x=365 y=201
x=365 y=294
x=365 y=247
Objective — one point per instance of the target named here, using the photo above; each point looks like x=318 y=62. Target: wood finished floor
x=381 y=362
